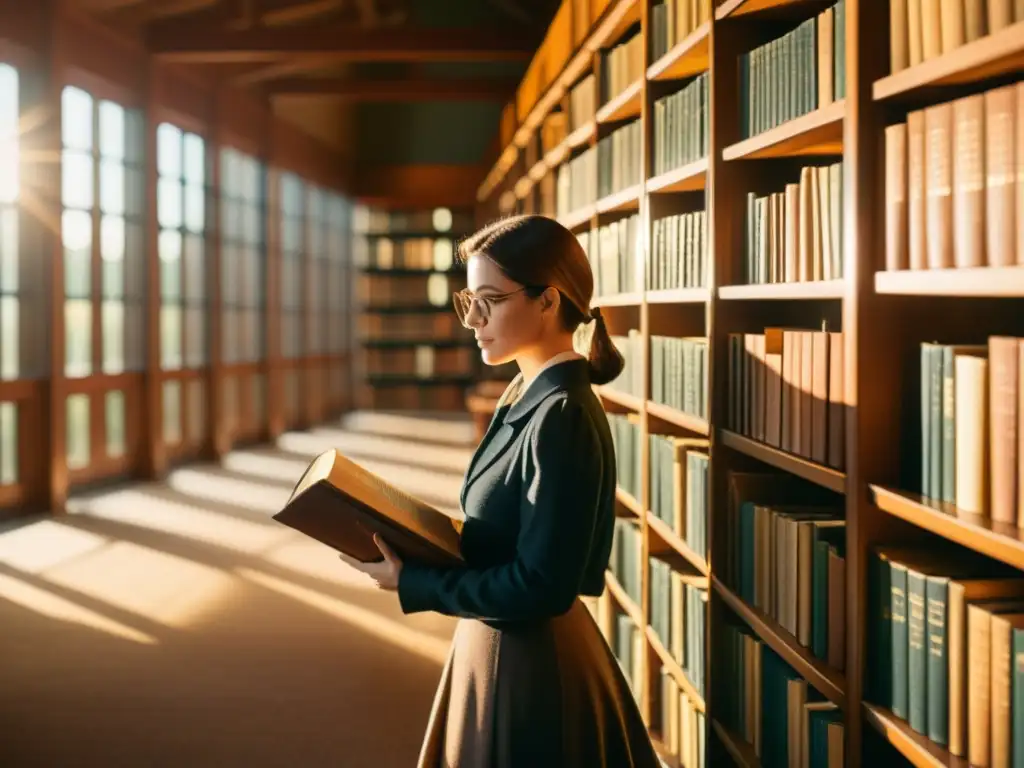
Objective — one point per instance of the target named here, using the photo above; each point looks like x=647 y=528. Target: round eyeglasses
x=465 y=300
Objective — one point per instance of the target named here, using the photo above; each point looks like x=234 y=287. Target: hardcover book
x=342 y=504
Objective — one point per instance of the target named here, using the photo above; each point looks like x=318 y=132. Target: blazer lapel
x=484 y=453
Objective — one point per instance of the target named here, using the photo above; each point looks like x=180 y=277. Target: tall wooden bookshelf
x=866 y=262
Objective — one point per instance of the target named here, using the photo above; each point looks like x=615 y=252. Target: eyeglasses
x=465 y=300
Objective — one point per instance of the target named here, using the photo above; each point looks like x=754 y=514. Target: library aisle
x=176 y=624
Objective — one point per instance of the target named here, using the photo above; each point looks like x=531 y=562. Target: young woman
x=530 y=680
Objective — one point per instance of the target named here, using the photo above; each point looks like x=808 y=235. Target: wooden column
x=220 y=440
x=272 y=228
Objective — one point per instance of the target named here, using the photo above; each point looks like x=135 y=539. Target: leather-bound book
x=341 y=504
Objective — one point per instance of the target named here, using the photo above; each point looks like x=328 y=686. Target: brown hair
x=538 y=252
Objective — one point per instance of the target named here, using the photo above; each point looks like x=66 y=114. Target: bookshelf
x=769 y=259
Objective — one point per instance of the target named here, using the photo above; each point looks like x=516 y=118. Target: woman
x=530 y=680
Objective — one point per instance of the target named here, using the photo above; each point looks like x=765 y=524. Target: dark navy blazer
x=539 y=496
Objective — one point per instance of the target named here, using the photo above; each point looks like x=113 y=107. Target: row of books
x=679 y=485
x=577 y=182
x=774 y=710
x=379 y=221
x=682 y=126
x=411 y=253
x=787 y=389
x=623 y=65
x=412 y=396
x=971 y=440
x=631 y=380
x=629 y=646
x=673 y=20
x=624 y=562
x=582 y=102
x=951 y=184
x=797 y=73
x=948 y=630
x=613 y=250
x=437 y=326
x=796 y=235
x=679 y=252
x=625 y=430
x=920 y=30
x=422 y=362
x=679 y=618
x=409 y=290
x=682 y=725
x=679 y=374
x=619 y=160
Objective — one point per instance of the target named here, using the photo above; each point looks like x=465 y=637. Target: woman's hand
x=386 y=573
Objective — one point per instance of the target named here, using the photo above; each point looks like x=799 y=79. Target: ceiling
x=319 y=61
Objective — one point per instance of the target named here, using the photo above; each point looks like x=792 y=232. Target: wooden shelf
x=919 y=750
x=686 y=58
x=677 y=417
x=827 y=681
x=822 y=289
x=670 y=537
x=625 y=601
x=817 y=133
x=577 y=219
x=627 y=199
x=992 y=282
x=621 y=398
x=627 y=500
x=1001 y=541
x=675 y=669
x=623 y=106
x=688 y=178
x=736 y=8
x=619 y=300
x=678 y=296
x=826 y=477
x=622 y=16
x=998 y=54
x=738 y=749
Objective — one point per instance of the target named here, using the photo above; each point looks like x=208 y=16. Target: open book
x=341 y=504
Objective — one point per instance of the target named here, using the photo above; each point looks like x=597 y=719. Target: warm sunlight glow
x=309 y=557
x=55 y=607
x=371 y=622
x=258 y=497
x=38 y=546
x=262 y=465
x=10 y=171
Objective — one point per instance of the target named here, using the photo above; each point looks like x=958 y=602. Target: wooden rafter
x=188 y=41
x=408 y=89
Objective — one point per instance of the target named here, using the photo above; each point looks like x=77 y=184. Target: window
x=292 y=253
x=243 y=274
x=317 y=271
x=10 y=255
x=338 y=212
x=181 y=215
x=102 y=151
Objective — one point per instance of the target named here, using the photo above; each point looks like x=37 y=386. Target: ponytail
x=606 y=362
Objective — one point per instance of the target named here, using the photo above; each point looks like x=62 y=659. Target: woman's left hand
x=384 y=573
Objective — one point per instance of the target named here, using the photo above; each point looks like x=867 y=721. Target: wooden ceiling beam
x=407 y=90
x=185 y=41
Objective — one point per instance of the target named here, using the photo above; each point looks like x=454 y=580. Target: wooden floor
x=175 y=624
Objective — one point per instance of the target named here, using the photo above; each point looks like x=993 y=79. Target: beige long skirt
x=547 y=694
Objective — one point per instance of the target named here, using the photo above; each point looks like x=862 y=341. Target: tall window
x=243 y=274
x=292 y=254
x=11 y=280
x=338 y=286
x=104 y=257
x=316 y=272
x=181 y=214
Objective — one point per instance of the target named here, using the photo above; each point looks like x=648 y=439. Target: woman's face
x=504 y=326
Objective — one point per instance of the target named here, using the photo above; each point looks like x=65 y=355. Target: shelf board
x=921 y=751
x=614 y=25
x=818 y=289
x=403 y=379
x=678 y=296
x=537 y=171
x=622 y=106
x=675 y=669
x=633 y=299
x=997 y=54
x=677 y=417
x=824 y=476
x=691 y=177
x=621 y=398
x=670 y=537
x=827 y=681
x=1001 y=541
x=687 y=57
x=736 y=8
x=625 y=498
x=740 y=751
x=986 y=282
x=577 y=219
x=816 y=133
x=404 y=343
x=624 y=600
x=627 y=199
